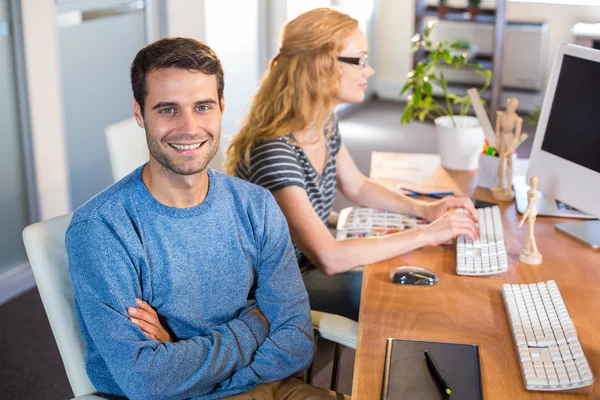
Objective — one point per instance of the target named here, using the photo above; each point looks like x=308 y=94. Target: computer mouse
x=413 y=276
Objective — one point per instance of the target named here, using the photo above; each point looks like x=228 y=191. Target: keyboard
x=546 y=341
x=487 y=256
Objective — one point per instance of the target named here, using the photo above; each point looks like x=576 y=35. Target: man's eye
x=167 y=111
x=203 y=108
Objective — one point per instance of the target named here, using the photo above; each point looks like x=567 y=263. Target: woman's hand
x=147 y=320
x=433 y=210
x=453 y=223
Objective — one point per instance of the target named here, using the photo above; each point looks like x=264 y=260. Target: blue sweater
x=202 y=269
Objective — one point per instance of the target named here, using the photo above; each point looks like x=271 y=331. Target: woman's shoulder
x=275 y=142
x=272 y=148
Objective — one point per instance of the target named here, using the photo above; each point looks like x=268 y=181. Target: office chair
x=45 y=246
x=127 y=148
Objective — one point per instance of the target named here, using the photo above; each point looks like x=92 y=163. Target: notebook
x=406 y=376
x=357 y=222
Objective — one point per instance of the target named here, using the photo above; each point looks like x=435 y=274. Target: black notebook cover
x=406 y=376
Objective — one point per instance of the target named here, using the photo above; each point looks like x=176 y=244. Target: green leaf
x=428 y=89
x=422 y=115
x=419 y=68
x=417 y=97
x=406 y=86
x=406 y=115
x=453 y=98
x=466 y=99
x=447 y=57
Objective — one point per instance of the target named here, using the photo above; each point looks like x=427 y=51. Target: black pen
x=435 y=371
x=435 y=195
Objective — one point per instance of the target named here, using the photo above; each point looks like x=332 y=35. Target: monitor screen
x=573 y=129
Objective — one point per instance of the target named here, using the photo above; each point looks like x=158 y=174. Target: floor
x=30 y=365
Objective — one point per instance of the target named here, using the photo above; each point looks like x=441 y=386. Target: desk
x=470 y=309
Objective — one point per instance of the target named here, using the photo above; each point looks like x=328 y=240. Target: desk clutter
x=552 y=356
x=357 y=222
x=501 y=143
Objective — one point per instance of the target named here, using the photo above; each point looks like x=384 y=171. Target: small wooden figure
x=508 y=137
x=530 y=253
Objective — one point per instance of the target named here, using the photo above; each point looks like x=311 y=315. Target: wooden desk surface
x=471 y=309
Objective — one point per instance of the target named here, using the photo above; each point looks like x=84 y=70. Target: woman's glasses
x=360 y=61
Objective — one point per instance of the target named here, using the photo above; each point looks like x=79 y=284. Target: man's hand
x=257 y=311
x=450 y=225
x=435 y=209
x=147 y=320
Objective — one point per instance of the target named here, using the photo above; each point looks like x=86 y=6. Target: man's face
x=182 y=119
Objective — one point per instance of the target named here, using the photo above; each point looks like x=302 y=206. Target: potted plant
x=442 y=8
x=460 y=138
x=473 y=8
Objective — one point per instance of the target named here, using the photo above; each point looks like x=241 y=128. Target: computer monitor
x=566 y=149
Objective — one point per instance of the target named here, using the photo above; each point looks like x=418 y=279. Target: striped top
x=278 y=163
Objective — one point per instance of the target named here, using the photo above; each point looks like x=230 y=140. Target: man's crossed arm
x=227 y=358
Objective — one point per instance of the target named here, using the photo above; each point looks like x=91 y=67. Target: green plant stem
x=448 y=104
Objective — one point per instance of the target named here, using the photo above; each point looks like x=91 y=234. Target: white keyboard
x=545 y=337
x=487 y=256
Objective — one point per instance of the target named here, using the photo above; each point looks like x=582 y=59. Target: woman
x=291 y=145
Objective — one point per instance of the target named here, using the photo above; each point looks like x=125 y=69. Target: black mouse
x=413 y=276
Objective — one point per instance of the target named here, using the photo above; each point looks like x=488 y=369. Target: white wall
x=394 y=61
x=185 y=18
x=224 y=31
x=561 y=18
x=40 y=37
x=396 y=27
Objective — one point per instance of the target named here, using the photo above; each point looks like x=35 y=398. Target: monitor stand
x=588 y=232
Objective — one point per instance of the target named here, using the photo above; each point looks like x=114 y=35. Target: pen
x=435 y=371
x=435 y=195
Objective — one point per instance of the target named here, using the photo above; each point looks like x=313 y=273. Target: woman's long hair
x=301 y=84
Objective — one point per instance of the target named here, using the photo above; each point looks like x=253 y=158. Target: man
x=186 y=283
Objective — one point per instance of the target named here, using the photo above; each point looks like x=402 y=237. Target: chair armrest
x=335 y=328
x=89 y=397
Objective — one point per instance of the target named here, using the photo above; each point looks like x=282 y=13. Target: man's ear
x=222 y=104
x=137 y=114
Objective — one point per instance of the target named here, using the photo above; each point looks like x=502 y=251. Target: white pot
x=459 y=146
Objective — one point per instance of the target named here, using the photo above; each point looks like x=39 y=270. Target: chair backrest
x=127 y=147
x=45 y=246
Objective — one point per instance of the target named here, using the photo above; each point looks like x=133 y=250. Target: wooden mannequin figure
x=508 y=137
x=530 y=253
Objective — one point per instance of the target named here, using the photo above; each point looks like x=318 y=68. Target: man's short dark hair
x=175 y=52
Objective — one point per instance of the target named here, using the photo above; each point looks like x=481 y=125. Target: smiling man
x=185 y=279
